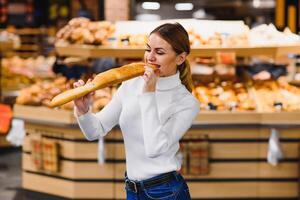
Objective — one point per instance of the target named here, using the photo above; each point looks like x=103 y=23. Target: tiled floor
x=10 y=172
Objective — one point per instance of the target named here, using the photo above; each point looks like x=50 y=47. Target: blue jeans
x=176 y=189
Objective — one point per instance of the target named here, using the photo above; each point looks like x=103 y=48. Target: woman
x=154 y=112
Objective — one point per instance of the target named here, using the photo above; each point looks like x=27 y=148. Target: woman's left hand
x=150 y=78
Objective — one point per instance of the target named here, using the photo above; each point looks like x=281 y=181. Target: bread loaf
x=102 y=80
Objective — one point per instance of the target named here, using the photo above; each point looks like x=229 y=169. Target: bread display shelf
x=138 y=52
x=90 y=51
x=295 y=83
x=66 y=117
x=258 y=118
x=44 y=114
x=4 y=46
x=247 y=51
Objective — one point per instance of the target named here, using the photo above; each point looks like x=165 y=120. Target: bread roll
x=102 y=80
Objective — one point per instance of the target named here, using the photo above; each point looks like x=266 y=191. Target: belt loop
x=128 y=182
x=142 y=185
x=176 y=174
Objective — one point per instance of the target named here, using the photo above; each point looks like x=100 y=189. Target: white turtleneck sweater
x=151 y=123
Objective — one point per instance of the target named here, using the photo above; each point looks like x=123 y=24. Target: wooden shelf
x=44 y=114
x=138 y=52
x=272 y=51
x=5 y=46
x=90 y=51
x=295 y=83
x=247 y=117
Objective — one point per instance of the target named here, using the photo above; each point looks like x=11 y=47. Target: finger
x=81 y=82
x=146 y=78
x=89 y=80
x=151 y=74
x=90 y=95
x=78 y=103
x=76 y=84
x=147 y=75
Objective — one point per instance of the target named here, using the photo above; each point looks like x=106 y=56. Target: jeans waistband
x=136 y=186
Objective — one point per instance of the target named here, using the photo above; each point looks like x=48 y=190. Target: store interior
x=245 y=65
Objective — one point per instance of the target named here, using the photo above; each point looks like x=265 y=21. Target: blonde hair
x=178 y=38
x=186 y=75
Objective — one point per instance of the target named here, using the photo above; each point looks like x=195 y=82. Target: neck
x=171 y=74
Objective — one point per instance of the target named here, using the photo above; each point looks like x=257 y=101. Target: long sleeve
x=97 y=125
x=159 y=135
x=276 y=72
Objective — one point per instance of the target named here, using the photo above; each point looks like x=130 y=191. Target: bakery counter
x=59 y=117
x=93 y=51
x=6 y=45
x=221 y=151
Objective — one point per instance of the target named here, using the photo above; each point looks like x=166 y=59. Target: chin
x=161 y=74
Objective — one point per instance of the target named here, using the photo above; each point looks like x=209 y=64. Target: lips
x=158 y=66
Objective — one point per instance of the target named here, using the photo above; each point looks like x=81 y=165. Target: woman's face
x=160 y=52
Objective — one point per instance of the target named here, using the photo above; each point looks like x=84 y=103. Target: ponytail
x=186 y=75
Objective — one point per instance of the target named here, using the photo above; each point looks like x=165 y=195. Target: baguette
x=102 y=80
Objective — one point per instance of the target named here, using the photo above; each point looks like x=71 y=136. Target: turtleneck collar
x=169 y=82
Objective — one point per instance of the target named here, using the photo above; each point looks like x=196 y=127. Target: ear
x=180 y=58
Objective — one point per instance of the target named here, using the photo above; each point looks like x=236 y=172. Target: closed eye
x=160 y=53
x=159 y=50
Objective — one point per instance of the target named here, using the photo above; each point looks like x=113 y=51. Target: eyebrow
x=159 y=48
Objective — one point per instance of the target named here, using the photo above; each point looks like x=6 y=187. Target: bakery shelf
x=138 y=52
x=41 y=114
x=295 y=83
x=5 y=46
x=247 y=117
x=90 y=51
x=44 y=115
x=246 y=51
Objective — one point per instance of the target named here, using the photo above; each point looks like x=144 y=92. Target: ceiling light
x=256 y=3
x=150 y=5
x=184 y=6
x=199 y=14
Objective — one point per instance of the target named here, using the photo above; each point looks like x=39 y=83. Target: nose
x=150 y=56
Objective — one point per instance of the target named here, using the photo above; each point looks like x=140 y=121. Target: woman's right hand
x=82 y=104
